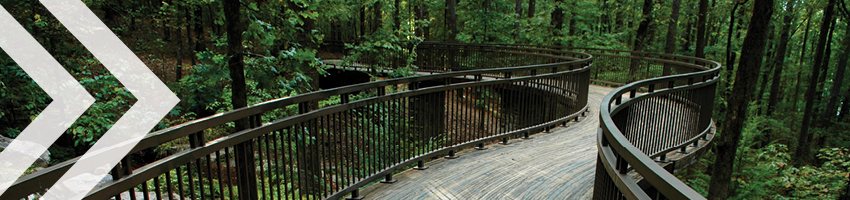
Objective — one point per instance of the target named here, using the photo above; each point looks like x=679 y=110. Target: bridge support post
x=355 y=195
x=663 y=158
x=480 y=146
x=389 y=179
x=526 y=136
x=452 y=155
x=504 y=141
x=420 y=165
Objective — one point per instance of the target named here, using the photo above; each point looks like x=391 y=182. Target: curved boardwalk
x=557 y=165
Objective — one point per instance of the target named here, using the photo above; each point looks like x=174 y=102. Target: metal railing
x=345 y=138
x=665 y=104
x=647 y=119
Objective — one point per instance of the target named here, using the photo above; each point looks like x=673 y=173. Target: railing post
x=504 y=141
x=663 y=158
x=345 y=98
x=389 y=178
x=420 y=165
x=526 y=135
x=355 y=195
x=452 y=155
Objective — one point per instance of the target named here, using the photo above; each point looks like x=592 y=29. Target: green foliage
x=386 y=51
x=21 y=95
x=766 y=173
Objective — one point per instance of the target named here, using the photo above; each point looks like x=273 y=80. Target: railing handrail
x=45 y=178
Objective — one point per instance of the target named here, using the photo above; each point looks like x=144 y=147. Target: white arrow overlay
x=70 y=100
x=155 y=100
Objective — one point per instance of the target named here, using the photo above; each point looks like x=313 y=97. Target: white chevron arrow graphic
x=155 y=100
x=70 y=100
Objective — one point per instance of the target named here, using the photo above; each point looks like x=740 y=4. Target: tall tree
x=558 y=18
x=236 y=63
x=842 y=65
x=779 y=60
x=672 y=28
x=377 y=16
x=422 y=14
x=831 y=106
x=644 y=34
x=239 y=96
x=178 y=70
x=451 y=20
x=745 y=79
x=531 y=6
x=845 y=108
x=396 y=15
x=701 y=23
x=801 y=155
x=518 y=8
x=730 y=57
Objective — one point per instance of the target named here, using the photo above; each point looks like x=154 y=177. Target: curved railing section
x=664 y=105
x=645 y=120
x=341 y=139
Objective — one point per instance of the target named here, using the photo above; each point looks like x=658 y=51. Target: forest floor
x=557 y=165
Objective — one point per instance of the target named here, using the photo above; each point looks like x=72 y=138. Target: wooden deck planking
x=557 y=165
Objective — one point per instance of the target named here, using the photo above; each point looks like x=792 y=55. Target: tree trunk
x=644 y=34
x=362 y=21
x=530 y=8
x=425 y=14
x=397 y=16
x=487 y=17
x=779 y=60
x=701 y=23
x=796 y=92
x=199 y=31
x=573 y=22
x=730 y=57
x=759 y=98
x=239 y=97
x=420 y=15
x=689 y=35
x=378 y=17
x=672 y=28
x=165 y=23
x=826 y=55
x=845 y=107
x=802 y=154
x=805 y=39
x=518 y=8
x=178 y=70
x=234 y=49
x=727 y=144
x=451 y=21
x=765 y=75
x=557 y=19
x=835 y=94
